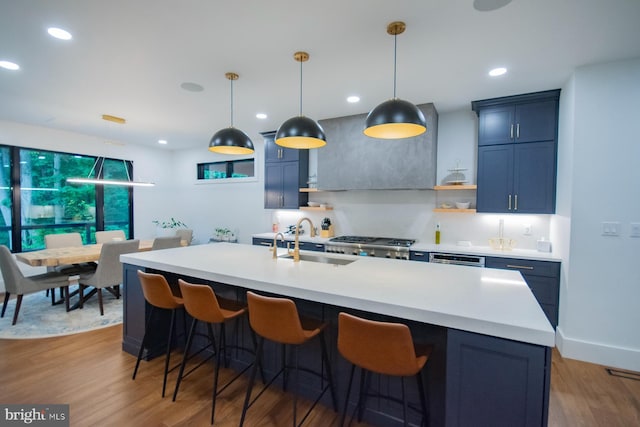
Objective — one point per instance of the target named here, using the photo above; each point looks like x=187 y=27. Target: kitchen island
x=492 y=342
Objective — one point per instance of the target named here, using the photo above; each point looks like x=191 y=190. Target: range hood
x=353 y=161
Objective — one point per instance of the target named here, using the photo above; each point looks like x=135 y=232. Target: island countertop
x=481 y=300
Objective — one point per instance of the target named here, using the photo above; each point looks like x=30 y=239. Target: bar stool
x=158 y=294
x=277 y=320
x=202 y=304
x=383 y=348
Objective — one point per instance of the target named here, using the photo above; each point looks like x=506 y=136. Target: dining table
x=54 y=257
x=71 y=255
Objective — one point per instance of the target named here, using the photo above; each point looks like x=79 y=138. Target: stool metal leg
x=423 y=401
x=192 y=330
x=218 y=361
x=404 y=402
x=168 y=355
x=254 y=370
x=143 y=344
x=325 y=357
x=346 y=399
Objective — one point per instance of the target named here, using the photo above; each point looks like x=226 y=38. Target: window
x=46 y=203
x=244 y=168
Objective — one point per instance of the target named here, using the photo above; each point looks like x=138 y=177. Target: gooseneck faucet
x=296 y=249
x=274 y=248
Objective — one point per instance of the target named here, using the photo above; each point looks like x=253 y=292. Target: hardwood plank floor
x=91 y=373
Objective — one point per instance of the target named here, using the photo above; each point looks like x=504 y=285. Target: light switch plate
x=610 y=228
x=635 y=229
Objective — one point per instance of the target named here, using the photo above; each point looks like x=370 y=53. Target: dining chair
x=165 y=242
x=185 y=234
x=108 y=274
x=66 y=240
x=16 y=283
x=109 y=236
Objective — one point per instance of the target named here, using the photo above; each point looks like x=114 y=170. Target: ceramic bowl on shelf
x=462 y=205
x=313 y=204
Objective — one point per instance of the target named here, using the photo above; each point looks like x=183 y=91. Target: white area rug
x=39 y=319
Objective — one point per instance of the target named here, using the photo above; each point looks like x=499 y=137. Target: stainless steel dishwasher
x=456 y=259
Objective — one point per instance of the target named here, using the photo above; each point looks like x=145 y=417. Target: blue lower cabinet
x=310 y=246
x=496 y=382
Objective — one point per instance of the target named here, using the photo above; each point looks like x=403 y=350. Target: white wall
x=599 y=312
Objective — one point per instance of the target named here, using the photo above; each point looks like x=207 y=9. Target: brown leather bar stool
x=158 y=294
x=382 y=348
x=204 y=306
x=277 y=320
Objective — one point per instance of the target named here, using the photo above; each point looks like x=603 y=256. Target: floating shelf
x=454 y=210
x=456 y=187
x=309 y=190
x=314 y=208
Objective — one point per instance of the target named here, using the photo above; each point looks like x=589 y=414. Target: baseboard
x=601 y=354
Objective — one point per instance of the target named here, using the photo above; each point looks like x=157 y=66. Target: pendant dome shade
x=231 y=141
x=300 y=132
x=395 y=119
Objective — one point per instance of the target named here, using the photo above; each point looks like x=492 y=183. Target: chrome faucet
x=296 y=248
x=275 y=244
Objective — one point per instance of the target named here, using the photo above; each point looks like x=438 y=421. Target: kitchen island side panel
x=496 y=382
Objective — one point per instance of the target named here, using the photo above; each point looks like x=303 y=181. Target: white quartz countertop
x=481 y=300
x=451 y=249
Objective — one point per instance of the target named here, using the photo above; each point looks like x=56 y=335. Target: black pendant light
x=231 y=140
x=300 y=132
x=395 y=119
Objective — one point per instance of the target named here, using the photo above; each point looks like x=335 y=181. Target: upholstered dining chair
x=109 y=236
x=66 y=240
x=16 y=283
x=185 y=234
x=108 y=274
x=165 y=243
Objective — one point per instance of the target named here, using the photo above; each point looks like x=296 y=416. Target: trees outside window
x=46 y=203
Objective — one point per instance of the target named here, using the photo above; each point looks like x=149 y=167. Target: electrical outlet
x=610 y=228
x=635 y=229
x=527 y=229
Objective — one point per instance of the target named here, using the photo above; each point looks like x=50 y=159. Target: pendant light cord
x=300 y=88
x=231 y=81
x=395 y=56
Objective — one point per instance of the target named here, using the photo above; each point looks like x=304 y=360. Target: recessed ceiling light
x=162 y=142
x=261 y=116
x=497 y=71
x=59 y=33
x=353 y=98
x=9 y=65
x=192 y=87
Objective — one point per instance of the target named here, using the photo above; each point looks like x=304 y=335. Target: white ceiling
x=129 y=57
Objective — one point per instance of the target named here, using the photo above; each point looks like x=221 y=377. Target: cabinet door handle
x=511 y=132
x=518 y=131
x=509 y=201
x=523 y=267
x=266 y=244
x=515 y=207
x=418 y=254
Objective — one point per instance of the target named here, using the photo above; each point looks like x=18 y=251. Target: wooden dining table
x=70 y=255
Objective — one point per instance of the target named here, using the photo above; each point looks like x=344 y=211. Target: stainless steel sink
x=320 y=258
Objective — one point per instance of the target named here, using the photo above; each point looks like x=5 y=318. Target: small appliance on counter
x=543 y=245
x=326 y=228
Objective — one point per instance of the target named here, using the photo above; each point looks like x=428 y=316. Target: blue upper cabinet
x=517 y=153
x=286 y=171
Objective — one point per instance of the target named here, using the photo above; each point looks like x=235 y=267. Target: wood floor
x=91 y=373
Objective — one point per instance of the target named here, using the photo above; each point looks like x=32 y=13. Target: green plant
x=171 y=223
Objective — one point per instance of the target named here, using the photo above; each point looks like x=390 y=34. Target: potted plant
x=223 y=234
x=167 y=228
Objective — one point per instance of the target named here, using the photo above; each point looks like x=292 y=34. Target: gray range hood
x=353 y=161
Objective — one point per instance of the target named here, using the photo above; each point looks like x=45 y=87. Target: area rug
x=39 y=319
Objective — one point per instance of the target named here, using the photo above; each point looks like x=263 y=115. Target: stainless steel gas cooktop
x=384 y=247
